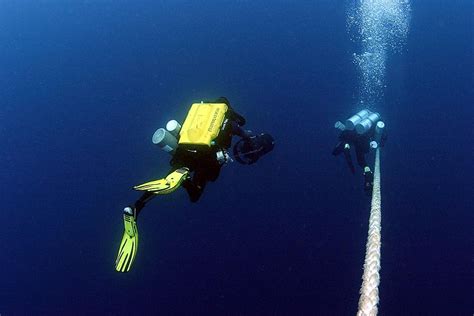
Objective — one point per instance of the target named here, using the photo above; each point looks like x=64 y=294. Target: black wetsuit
x=361 y=143
x=202 y=161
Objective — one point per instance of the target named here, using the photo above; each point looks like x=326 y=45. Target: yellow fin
x=128 y=246
x=166 y=185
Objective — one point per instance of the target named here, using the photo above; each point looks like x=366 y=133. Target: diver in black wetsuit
x=199 y=149
x=205 y=164
x=362 y=137
x=359 y=142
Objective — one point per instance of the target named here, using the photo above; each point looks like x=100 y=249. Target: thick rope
x=369 y=291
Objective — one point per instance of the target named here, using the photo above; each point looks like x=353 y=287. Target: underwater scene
x=190 y=157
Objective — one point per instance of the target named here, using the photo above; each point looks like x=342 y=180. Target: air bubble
x=382 y=27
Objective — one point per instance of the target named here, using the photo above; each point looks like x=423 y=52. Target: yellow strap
x=130 y=225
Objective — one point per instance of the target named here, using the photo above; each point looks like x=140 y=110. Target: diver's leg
x=141 y=202
x=129 y=244
x=360 y=153
x=212 y=173
x=195 y=186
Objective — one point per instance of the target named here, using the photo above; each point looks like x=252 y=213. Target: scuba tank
x=366 y=124
x=173 y=127
x=355 y=119
x=167 y=139
x=379 y=131
x=362 y=122
x=340 y=126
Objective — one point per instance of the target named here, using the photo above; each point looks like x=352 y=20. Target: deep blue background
x=83 y=85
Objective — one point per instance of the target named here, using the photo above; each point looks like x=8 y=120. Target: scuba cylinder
x=173 y=127
x=165 y=140
x=340 y=126
x=379 y=130
x=364 y=125
x=355 y=119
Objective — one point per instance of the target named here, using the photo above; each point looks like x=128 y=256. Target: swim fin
x=166 y=185
x=129 y=244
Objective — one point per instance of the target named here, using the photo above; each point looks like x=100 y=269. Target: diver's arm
x=344 y=147
x=195 y=186
x=239 y=131
x=236 y=117
x=233 y=115
x=347 y=156
x=221 y=100
x=338 y=149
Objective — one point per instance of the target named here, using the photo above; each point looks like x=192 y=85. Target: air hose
x=369 y=291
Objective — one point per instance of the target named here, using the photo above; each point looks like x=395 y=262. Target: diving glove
x=128 y=246
x=166 y=185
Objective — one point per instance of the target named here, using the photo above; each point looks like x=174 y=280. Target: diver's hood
x=248 y=150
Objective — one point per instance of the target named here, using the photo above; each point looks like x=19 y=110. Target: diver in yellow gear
x=199 y=150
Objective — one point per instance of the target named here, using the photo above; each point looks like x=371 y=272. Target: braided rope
x=369 y=291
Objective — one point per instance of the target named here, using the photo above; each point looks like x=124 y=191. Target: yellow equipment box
x=203 y=123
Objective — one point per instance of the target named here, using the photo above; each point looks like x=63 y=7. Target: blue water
x=83 y=86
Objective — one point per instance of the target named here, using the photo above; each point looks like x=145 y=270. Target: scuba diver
x=362 y=131
x=199 y=149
